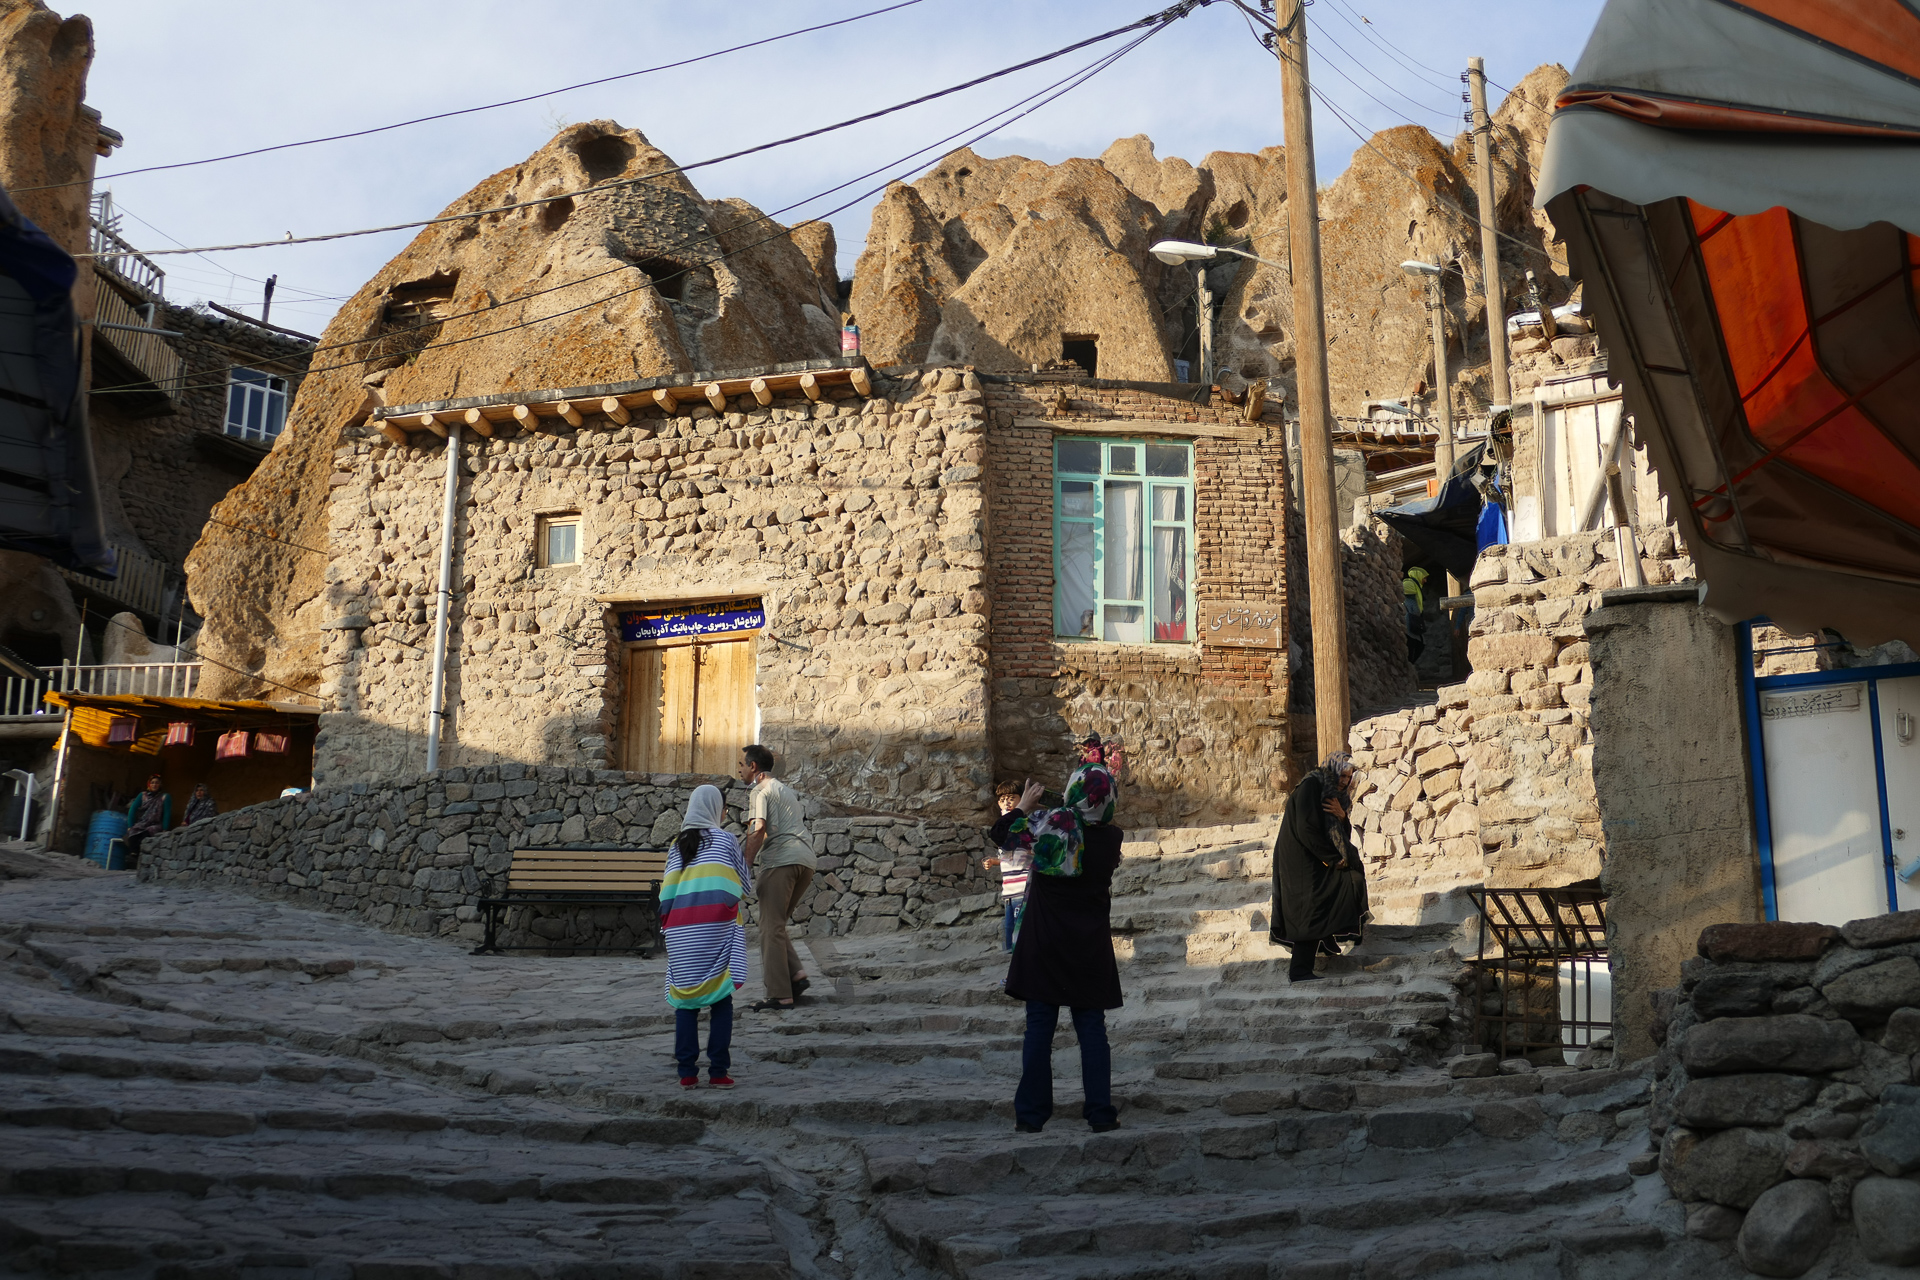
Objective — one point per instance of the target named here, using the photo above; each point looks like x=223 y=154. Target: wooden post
x=810 y=386
x=761 y=395
x=1489 y=238
x=1203 y=311
x=715 y=398
x=664 y=399
x=1442 y=401
x=1326 y=600
x=525 y=415
x=568 y=414
x=861 y=382
x=616 y=411
x=478 y=421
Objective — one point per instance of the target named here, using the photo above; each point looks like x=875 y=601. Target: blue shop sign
x=697 y=620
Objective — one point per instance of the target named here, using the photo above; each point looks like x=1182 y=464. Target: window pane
x=1076 y=498
x=1125 y=622
x=236 y=407
x=1073 y=595
x=1169 y=583
x=254 y=407
x=252 y=377
x=1169 y=502
x=561 y=543
x=1167 y=459
x=1123 y=460
x=276 y=413
x=1122 y=549
x=1079 y=456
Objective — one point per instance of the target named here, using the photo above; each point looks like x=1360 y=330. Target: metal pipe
x=436 y=710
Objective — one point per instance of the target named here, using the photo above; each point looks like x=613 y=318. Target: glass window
x=256 y=405
x=559 y=541
x=1123 y=544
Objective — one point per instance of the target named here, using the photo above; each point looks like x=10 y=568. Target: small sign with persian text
x=1810 y=702
x=690 y=621
x=1241 y=626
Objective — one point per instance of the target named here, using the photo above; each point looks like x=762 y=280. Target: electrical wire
x=1320 y=29
x=1170 y=14
x=467 y=111
x=1367 y=28
x=1050 y=92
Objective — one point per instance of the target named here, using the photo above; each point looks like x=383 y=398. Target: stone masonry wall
x=1784 y=1098
x=858 y=522
x=1206 y=726
x=414 y=857
x=1419 y=824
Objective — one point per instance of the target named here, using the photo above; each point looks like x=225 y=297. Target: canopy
x=1446 y=525
x=1737 y=185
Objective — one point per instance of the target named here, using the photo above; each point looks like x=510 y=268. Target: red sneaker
x=719 y=1082
x=689 y=1082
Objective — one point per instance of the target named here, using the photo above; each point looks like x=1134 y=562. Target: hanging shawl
x=1055 y=837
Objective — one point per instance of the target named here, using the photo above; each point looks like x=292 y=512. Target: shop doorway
x=690 y=687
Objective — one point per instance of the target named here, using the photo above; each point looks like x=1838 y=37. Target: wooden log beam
x=761 y=395
x=810 y=386
x=716 y=397
x=612 y=407
x=428 y=422
x=1256 y=402
x=664 y=398
x=569 y=414
x=526 y=417
x=861 y=382
x=392 y=432
x=478 y=421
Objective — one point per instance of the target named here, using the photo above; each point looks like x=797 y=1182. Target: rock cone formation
x=643 y=278
x=996 y=262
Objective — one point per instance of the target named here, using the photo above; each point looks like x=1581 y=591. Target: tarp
x=49 y=494
x=1738 y=185
x=1446 y=525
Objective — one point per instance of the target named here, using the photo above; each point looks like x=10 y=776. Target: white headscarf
x=705 y=811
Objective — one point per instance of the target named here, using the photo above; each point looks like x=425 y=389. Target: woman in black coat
x=1064 y=956
x=1319 y=886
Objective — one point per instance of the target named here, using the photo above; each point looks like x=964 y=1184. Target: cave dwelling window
x=1122 y=540
x=559 y=540
x=256 y=405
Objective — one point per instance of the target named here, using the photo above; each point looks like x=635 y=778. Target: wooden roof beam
x=616 y=411
x=861 y=382
x=478 y=421
x=429 y=422
x=568 y=414
x=391 y=431
x=664 y=398
x=716 y=397
x=525 y=415
x=761 y=395
x=810 y=386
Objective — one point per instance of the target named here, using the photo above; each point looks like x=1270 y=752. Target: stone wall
x=858 y=522
x=414 y=857
x=1784 y=1101
x=1206 y=726
x=1416 y=810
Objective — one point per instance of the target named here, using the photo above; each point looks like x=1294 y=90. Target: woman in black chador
x=1319 y=886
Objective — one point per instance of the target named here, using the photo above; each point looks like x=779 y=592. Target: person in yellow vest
x=1412 y=588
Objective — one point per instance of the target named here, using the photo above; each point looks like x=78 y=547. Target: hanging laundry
x=272 y=744
x=180 y=733
x=123 y=731
x=231 y=746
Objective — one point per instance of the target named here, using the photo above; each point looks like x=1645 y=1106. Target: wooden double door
x=690 y=704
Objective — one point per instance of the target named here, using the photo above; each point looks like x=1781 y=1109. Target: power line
x=1170 y=14
x=1390 y=45
x=491 y=106
x=1366 y=28
x=1327 y=36
x=1046 y=95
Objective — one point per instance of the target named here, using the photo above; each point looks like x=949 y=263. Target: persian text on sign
x=1811 y=702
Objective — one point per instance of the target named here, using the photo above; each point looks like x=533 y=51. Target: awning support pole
x=436 y=710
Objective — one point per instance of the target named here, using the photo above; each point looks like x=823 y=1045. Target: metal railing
x=1541 y=980
x=116 y=255
x=150 y=353
x=20 y=696
x=144 y=585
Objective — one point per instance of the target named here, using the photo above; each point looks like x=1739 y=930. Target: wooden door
x=690 y=707
x=723 y=719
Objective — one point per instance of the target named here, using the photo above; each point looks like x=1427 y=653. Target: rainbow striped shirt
x=700 y=920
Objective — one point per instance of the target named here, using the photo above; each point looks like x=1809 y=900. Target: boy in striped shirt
x=1013 y=864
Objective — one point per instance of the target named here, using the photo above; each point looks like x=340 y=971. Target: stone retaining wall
x=414 y=857
x=1784 y=1099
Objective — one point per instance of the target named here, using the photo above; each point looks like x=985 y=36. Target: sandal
x=762 y=1006
x=800 y=986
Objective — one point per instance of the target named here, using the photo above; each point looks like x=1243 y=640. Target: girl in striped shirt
x=706 y=946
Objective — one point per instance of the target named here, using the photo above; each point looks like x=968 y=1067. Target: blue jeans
x=686 y=1040
x=1010 y=927
x=1033 y=1100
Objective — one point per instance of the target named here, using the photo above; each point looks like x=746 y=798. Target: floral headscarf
x=1056 y=837
x=1090 y=793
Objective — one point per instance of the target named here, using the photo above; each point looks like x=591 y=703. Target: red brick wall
x=1205 y=726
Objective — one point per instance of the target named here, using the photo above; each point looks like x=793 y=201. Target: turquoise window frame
x=1094 y=515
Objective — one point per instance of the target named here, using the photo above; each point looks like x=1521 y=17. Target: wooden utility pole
x=1489 y=240
x=1442 y=396
x=1326 y=600
x=1203 y=308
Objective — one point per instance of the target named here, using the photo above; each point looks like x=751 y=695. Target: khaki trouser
x=779 y=890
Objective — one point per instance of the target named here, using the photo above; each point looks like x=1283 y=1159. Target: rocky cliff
x=642 y=276
x=995 y=262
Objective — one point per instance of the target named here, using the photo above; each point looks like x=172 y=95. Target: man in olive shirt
x=781 y=858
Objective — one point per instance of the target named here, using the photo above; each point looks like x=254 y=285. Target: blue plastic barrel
x=107 y=826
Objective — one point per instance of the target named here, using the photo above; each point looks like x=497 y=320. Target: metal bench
x=580 y=876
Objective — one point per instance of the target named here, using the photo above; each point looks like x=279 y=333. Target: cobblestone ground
x=199 y=1084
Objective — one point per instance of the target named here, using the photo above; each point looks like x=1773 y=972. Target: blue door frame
x=1751 y=687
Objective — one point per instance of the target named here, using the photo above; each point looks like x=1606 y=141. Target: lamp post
x=1176 y=252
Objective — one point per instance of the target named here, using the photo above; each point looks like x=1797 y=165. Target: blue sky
x=195 y=78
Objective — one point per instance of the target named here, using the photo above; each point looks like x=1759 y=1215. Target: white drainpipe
x=437 y=709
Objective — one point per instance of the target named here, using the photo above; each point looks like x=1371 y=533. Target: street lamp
x=1175 y=252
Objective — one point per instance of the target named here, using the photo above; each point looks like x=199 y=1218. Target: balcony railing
x=116 y=255
x=20 y=696
x=149 y=353
x=143 y=584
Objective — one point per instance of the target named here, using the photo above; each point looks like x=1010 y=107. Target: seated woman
x=1064 y=955
x=1319 y=886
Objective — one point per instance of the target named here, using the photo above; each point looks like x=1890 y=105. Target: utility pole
x=266 y=300
x=1203 y=308
x=1489 y=241
x=1442 y=397
x=1326 y=600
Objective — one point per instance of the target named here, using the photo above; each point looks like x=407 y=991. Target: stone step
x=114 y=1060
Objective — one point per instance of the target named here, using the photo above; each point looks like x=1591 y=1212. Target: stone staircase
x=198 y=1084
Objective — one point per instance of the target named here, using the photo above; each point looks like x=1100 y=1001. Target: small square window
x=559 y=540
